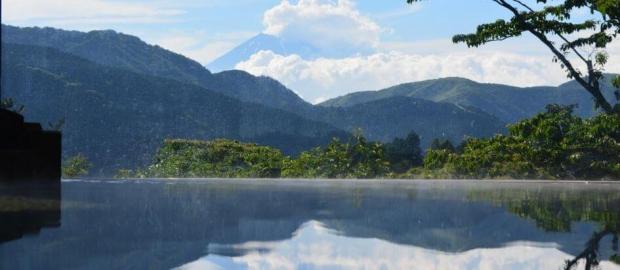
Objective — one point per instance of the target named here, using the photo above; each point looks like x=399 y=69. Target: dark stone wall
x=27 y=152
x=28 y=207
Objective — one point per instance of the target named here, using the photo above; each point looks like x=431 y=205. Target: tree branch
x=570 y=44
x=594 y=91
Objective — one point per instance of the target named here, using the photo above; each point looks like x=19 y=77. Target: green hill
x=508 y=103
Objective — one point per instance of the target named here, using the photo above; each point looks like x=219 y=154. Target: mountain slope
x=260 y=90
x=118 y=118
x=392 y=117
x=508 y=103
x=118 y=50
x=112 y=49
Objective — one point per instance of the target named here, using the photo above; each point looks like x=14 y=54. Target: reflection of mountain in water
x=159 y=225
x=315 y=247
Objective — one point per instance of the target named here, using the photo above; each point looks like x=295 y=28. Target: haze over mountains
x=120 y=97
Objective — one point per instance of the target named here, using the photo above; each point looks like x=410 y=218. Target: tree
x=216 y=158
x=555 y=22
x=357 y=158
x=404 y=153
x=76 y=166
x=439 y=144
x=551 y=145
x=9 y=104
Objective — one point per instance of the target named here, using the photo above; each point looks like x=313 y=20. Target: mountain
x=118 y=117
x=385 y=119
x=508 y=103
x=261 y=42
x=281 y=46
x=118 y=50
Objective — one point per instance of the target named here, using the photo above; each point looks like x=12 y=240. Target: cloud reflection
x=316 y=247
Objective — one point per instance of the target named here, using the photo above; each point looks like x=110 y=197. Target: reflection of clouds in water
x=316 y=247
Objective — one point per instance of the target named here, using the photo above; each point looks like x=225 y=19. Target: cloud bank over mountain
x=355 y=55
x=321 y=79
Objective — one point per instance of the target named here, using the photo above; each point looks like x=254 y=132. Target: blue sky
x=218 y=19
x=408 y=43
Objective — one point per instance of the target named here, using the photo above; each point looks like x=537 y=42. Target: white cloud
x=327 y=25
x=323 y=78
x=521 y=45
x=68 y=12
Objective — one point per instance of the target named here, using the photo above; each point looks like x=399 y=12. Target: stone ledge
x=27 y=153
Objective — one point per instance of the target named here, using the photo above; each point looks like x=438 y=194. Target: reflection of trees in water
x=557 y=211
x=591 y=253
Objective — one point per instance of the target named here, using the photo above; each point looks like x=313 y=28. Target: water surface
x=246 y=224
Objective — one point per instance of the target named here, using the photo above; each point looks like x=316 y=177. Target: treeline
x=552 y=145
x=355 y=158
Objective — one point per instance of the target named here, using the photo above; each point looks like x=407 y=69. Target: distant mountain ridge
x=118 y=50
x=508 y=103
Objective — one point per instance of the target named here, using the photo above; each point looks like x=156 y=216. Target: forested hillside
x=118 y=50
x=118 y=118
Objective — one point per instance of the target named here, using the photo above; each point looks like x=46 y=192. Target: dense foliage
x=559 y=211
x=76 y=166
x=356 y=158
x=404 y=154
x=218 y=158
x=552 y=145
